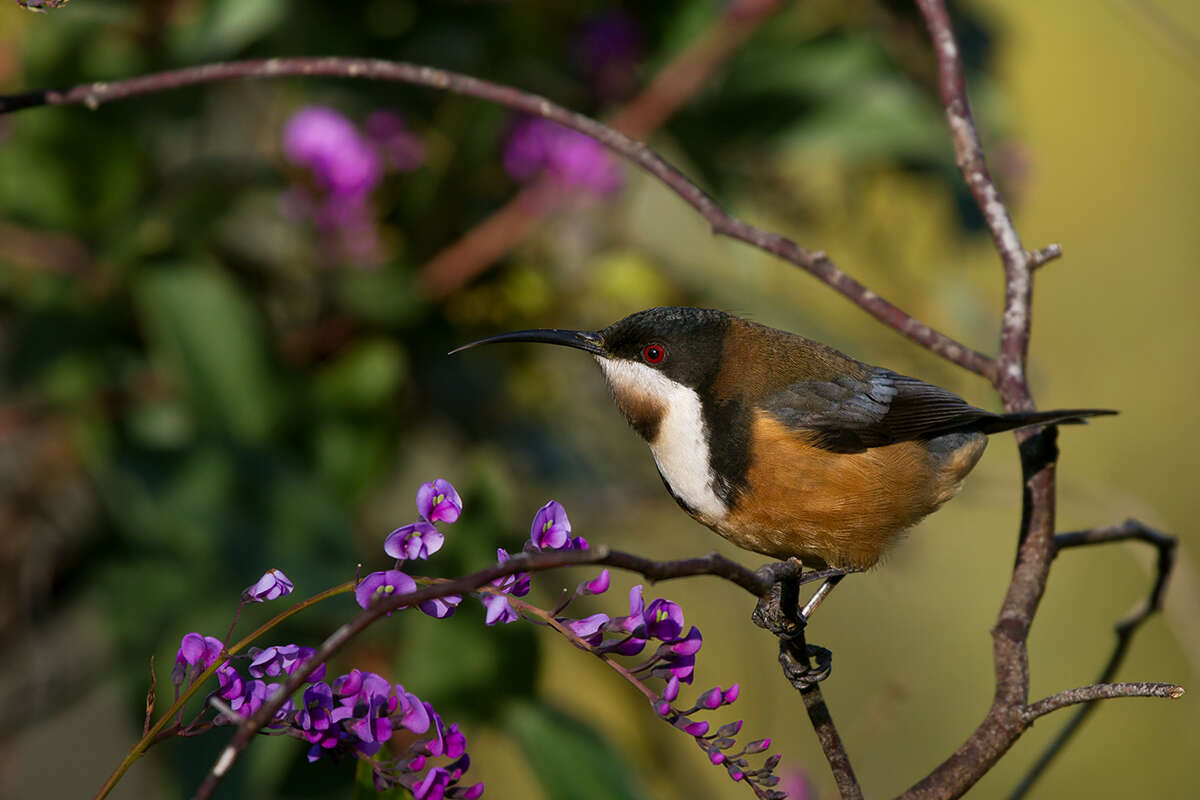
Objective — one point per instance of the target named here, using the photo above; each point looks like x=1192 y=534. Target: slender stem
x=1100 y=691
x=569 y=634
x=1130 y=530
x=1009 y=377
x=831 y=742
x=814 y=262
x=149 y=737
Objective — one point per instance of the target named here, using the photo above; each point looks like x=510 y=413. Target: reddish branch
x=814 y=262
x=686 y=74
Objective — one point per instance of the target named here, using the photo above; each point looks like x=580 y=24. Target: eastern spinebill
x=783 y=445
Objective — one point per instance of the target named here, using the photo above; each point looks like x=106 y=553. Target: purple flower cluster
x=536 y=146
x=674 y=661
x=346 y=165
x=356 y=713
x=436 y=501
x=551 y=530
x=674 y=657
x=360 y=711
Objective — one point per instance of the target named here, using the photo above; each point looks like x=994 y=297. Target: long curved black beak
x=589 y=341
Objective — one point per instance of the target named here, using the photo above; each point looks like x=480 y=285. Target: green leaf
x=362 y=379
x=569 y=757
x=206 y=334
x=227 y=27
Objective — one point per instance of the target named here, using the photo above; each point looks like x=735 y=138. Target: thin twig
x=779 y=613
x=1041 y=257
x=1009 y=377
x=1130 y=530
x=831 y=742
x=1100 y=691
x=814 y=262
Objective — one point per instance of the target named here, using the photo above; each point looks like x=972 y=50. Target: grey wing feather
x=850 y=415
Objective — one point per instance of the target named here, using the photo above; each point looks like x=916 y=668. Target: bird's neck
x=672 y=418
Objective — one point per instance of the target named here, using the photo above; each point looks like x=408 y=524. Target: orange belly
x=838 y=509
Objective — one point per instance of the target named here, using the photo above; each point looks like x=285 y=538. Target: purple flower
x=313 y=718
x=679 y=663
x=798 y=785
x=498 y=609
x=497 y=605
x=438 y=501
x=689 y=645
x=414 y=714
x=664 y=620
x=713 y=698
x=551 y=530
x=445 y=741
x=231 y=688
x=607 y=52
x=433 y=786
x=271 y=586
x=253 y=695
x=581 y=162
x=441 y=607
x=383 y=584
x=577 y=161
x=518 y=584
x=282 y=659
x=402 y=150
x=364 y=702
x=195 y=651
x=418 y=540
x=635 y=621
x=590 y=629
x=597 y=585
x=327 y=143
x=471 y=792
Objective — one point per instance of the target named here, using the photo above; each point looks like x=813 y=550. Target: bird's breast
x=670 y=417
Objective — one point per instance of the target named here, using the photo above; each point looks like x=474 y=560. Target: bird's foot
x=804 y=665
x=779 y=612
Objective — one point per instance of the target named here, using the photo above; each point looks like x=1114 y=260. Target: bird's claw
x=803 y=672
x=804 y=665
x=777 y=616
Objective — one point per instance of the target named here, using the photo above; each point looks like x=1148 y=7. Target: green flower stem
x=150 y=737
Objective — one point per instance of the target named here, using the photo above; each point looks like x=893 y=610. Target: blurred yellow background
x=1092 y=119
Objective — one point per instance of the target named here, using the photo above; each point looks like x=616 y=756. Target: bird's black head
x=682 y=344
x=653 y=360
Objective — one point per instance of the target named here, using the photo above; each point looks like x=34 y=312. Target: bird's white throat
x=680 y=441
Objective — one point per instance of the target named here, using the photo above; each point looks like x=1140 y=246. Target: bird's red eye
x=653 y=353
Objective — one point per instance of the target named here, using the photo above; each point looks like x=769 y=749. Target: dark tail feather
x=1023 y=419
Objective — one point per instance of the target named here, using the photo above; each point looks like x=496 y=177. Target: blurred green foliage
x=232 y=400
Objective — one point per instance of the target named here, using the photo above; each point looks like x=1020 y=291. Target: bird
x=782 y=445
